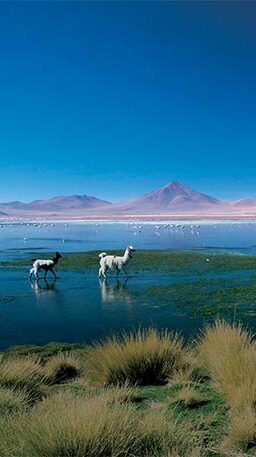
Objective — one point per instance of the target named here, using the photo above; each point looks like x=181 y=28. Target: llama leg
x=125 y=272
x=31 y=271
x=45 y=274
x=54 y=274
x=36 y=273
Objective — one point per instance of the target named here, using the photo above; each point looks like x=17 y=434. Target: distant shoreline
x=125 y=218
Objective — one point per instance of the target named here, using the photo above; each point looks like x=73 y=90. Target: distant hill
x=172 y=199
x=244 y=203
x=55 y=204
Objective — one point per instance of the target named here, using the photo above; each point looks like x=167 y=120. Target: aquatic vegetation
x=160 y=261
x=206 y=298
x=42 y=352
x=223 y=287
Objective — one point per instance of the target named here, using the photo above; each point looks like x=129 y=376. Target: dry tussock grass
x=189 y=397
x=122 y=394
x=230 y=356
x=12 y=401
x=146 y=357
x=23 y=375
x=242 y=430
x=12 y=441
x=65 y=425
x=229 y=353
x=62 y=367
x=190 y=370
x=165 y=435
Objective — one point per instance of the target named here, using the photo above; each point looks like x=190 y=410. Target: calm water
x=76 y=307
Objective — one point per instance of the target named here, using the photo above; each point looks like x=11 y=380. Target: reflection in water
x=45 y=291
x=116 y=293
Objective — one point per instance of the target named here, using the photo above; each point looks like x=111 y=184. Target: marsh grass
x=123 y=394
x=62 y=367
x=143 y=394
x=12 y=401
x=12 y=441
x=189 y=397
x=158 y=260
x=41 y=352
x=229 y=354
x=190 y=370
x=71 y=426
x=241 y=433
x=165 y=434
x=145 y=357
x=196 y=296
x=66 y=426
x=24 y=375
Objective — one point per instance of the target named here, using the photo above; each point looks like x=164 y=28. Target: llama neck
x=126 y=256
x=55 y=260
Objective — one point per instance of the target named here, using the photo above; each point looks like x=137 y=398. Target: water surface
x=79 y=308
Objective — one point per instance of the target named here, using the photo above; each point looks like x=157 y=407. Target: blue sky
x=116 y=99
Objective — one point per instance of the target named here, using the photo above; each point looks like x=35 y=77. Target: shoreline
x=128 y=218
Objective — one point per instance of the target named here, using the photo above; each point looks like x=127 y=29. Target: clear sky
x=115 y=99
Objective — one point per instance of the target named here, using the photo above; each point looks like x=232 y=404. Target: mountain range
x=172 y=199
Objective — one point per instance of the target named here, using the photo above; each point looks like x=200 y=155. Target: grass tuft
x=12 y=440
x=229 y=354
x=147 y=357
x=122 y=394
x=62 y=367
x=66 y=426
x=189 y=397
x=12 y=401
x=164 y=435
x=241 y=433
x=23 y=375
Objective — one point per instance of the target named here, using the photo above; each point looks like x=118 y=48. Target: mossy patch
x=206 y=298
x=153 y=261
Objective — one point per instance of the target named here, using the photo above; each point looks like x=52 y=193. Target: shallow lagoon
x=183 y=294
x=239 y=236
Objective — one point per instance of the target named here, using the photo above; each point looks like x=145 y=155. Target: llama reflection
x=115 y=293
x=45 y=291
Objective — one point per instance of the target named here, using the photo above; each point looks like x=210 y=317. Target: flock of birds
x=171 y=228
x=25 y=231
x=133 y=228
